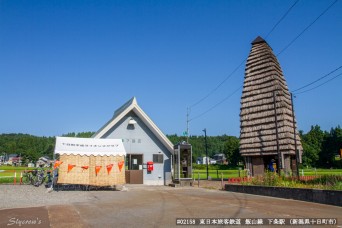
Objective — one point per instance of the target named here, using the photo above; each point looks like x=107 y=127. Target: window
x=158 y=158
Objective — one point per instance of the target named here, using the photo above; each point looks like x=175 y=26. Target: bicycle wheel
x=34 y=181
x=26 y=178
x=40 y=180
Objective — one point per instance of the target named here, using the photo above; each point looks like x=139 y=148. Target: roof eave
x=144 y=117
x=156 y=131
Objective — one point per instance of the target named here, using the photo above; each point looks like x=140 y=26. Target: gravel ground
x=19 y=196
x=210 y=184
x=146 y=206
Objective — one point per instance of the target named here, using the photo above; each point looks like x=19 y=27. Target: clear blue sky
x=66 y=66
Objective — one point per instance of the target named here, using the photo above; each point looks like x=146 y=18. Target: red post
x=15 y=177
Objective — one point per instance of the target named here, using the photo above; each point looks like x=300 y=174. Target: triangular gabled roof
x=121 y=112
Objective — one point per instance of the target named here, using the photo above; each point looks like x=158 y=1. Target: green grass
x=232 y=173
x=333 y=182
x=326 y=182
x=9 y=170
x=312 y=172
x=6 y=167
x=9 y=180
x=216 y=174
x=7 y=176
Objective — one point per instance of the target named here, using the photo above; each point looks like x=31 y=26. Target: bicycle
x=28 y=176
x=36 y=177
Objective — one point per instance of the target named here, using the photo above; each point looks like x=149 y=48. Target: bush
x=327 y=181
x=268 y=179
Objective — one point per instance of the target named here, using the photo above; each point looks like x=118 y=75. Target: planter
x=330 y=197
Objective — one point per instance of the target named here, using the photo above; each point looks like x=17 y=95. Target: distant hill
x=321 y=148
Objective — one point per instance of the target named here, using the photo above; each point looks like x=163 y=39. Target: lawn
x=7 y=173
x=313 y=172
x=216 y=174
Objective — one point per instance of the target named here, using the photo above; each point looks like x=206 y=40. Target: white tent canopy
x=89 y=146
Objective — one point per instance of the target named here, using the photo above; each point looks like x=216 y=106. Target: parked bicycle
x=36 y=177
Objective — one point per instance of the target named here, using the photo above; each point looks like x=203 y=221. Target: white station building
x=149 y=151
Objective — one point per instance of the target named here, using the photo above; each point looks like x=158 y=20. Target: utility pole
x=206 y=151
x=295 y=138
x=187 y=124
x=277 y=138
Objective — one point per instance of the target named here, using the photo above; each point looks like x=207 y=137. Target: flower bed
x=323 y=182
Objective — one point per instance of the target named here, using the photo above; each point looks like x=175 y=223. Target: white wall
x=141 y=140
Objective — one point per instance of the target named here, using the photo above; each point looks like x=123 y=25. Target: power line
x=226 y=98
x=244 y=60
x=219 y=85
x=286 y=47
x=282 y=18
x=317 y=79
x=307 y=28
x=319 y=85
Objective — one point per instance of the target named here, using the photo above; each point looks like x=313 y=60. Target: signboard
x=89 y=146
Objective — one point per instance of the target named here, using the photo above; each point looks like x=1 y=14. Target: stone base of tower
x=258 y=165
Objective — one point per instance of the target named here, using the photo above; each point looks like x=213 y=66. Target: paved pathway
x=144 y=206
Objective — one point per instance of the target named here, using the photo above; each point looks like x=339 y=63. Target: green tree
x=231 y=150
x=228 y=145
x=27 y=146
x=330 y=148
x=70 y=134
x=87 y=134
x=310 y=155
x=312 y=144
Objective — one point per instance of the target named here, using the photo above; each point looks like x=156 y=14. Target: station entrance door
x=134 y=169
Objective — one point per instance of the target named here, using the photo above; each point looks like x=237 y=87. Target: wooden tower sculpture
x=268 y=128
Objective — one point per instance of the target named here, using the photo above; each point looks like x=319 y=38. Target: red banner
x=70 y=167
x=120 y=164
x=97 y=169
x=84 y=167
x=57 y=164
x=109 y=168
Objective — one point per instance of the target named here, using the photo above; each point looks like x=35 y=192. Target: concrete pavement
x=160 y=206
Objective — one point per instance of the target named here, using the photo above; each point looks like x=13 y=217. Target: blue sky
x=66 y=66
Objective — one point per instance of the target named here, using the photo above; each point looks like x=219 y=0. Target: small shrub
x=328 y=182
x=337 y=186
x=268 y=179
